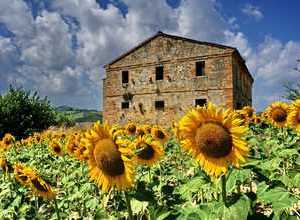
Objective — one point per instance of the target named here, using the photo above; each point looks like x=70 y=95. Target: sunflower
x=255 y=119
x=71 y=145
x=7 y=141
x=131 y=128
x=277 y=114
x=147 y=151
x=213 y=137
x=5 y=165
x=248 y=110
x=147 y=128
x=159 y=134
x=73 y=142
x=116 y=131
x=119 y=134
x=21 y=173
x=264 y=115
x=30 y=141
x=23 y=142
x=37 y=138
x=82 y=153
x=40 y=187
x=29 y=178
x=140 y=131
x=293 y=118
x=108 y=164
x=56 y=148
x=243 y=116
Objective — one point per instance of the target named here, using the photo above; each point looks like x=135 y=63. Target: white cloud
x=253 y=11
x=8 y=55
x=41 y=54
x=273 y=64
x=106 y=33
x=274 y=61
x=50 y=46
x=201 y=20
x=40 y=57
x=239 y=41
x=17 y=17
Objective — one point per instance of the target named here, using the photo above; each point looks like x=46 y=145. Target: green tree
x=292 y=91
x=23 y=112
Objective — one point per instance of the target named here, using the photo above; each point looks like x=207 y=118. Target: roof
x=160 y=33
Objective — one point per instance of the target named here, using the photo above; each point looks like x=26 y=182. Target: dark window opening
x=239 y=105
x=125 y=105
x=159 y=105
x=125 y=76
x=200 y=68
x=200 y=102
x=159 y=73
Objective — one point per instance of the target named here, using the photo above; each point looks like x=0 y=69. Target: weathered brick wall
x=180 y=86
x=242 y=82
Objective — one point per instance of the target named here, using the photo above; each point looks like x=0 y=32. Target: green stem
x=127 y=198
x=160 y=184
x=82 y=169
x=56 y=209
x=224 y=196
x=36 y=205
x=149 y=175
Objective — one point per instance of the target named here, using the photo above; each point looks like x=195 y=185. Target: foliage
x=266 y=187
x=22 y=113
x=79 y=115
x=63 y=120
x=292 y=91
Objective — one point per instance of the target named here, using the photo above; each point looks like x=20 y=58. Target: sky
x=59 y=47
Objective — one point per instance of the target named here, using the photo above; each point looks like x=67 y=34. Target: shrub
x=63 y=120
x=22 y=113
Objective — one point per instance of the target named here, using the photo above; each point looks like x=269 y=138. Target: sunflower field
x=213 y=163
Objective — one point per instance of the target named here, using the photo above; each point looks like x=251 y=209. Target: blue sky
x=58 y=47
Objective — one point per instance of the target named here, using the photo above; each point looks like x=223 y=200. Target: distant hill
x=79 y=115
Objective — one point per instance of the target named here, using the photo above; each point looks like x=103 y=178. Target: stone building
x=162 y=77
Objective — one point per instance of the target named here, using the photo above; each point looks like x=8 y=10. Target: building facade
x=157 y=81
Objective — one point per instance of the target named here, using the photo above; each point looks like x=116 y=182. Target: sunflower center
x=7 y=141
x=108 y=158
x=140 y=133
x=131 y=128
x=38 y=185
x=23 y=178
x=250 y=113
x=160 y=134
x=298 y=117
x=82 y=149
x=279 y=115
x=145 y=152
x=56 y=149
x=242 y=116
x=214 y=140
